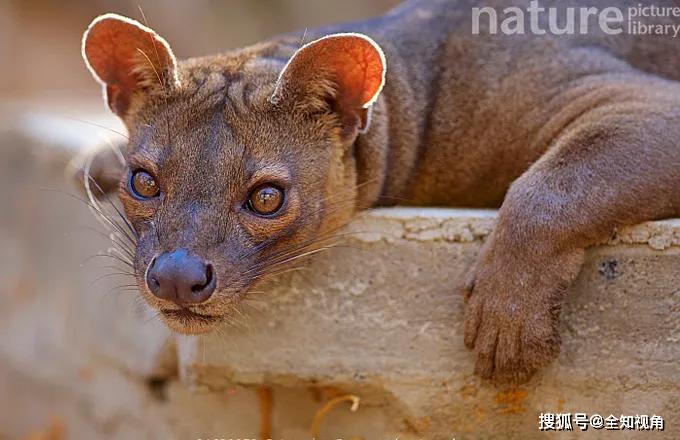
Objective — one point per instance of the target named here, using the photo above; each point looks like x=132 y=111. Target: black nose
x=180 y=277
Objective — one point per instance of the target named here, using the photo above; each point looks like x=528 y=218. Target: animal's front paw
x=511 y=321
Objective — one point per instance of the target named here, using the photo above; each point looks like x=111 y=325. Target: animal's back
x=427 y=23
x=479 y=109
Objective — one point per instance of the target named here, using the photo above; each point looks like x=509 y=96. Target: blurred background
x=78 y=356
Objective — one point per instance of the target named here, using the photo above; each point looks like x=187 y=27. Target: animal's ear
x=346 y=71
x=129 y=59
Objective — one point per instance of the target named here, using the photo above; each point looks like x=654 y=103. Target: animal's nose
x=180 y=277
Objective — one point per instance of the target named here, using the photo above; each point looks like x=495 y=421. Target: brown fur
x=571 y=136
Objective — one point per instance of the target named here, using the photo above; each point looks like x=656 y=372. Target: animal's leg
x=616 y=165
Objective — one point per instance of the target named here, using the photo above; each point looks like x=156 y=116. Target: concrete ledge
x=377 y=318
x=380 y=319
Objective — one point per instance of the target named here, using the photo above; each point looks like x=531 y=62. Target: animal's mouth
x=187 y=321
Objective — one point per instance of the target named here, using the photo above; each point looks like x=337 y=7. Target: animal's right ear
x=130 y=60
x=345 y=72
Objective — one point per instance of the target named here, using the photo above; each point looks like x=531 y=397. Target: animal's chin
x=186 y=322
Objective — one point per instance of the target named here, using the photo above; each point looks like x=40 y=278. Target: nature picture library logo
x=642 y=19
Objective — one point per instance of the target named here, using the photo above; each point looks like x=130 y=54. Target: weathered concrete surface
x=378 y=318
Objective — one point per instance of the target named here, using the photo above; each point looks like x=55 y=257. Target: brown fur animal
x=240 y=163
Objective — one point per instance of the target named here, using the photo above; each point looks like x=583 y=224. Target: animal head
x=238 y=165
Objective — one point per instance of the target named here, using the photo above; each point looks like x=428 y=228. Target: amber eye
x=143 y=185
x=265 y=199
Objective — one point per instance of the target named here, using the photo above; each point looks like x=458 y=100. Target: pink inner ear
x=359 y=70
x=125 y=56
x=352 y=61
x=111 y=49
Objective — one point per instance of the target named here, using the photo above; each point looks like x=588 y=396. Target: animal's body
x=571 y=136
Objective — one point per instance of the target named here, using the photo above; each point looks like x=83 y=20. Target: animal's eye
x=266 y=199
x=143 y=185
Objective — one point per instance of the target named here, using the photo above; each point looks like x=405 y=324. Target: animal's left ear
x=345 y=71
